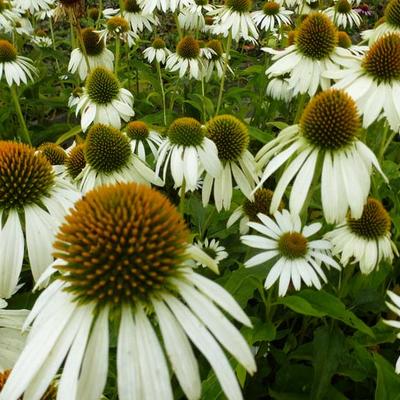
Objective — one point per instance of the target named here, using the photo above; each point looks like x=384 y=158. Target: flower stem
x=300 y=107
x=203 y=93
x=226 y=61
x=178 y=26
x=182 y=199
x=117 y=54
x=25 y=137
x=100 y=8
x=53 y=40
x=162 y=92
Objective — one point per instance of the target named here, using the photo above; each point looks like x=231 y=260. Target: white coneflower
x=343 y=15
x=142 y=139
x=395 y=308
x=40 y=39
x=287 y=245
x=213 y=249
x=8 y=15
x=272 y=15
x=373 y=81
x=328 y=131
x=344 y=41
x=315 y=51
x=389 y=24
x=55 y=155
x=75 y=162
x=186 y=59
x=148 y=6
x=234 y=18
x=118 y=27
x=45 y=14
x=157 y=51
x=192 y=16
x=279 y=89
x=30 y=210
x=365 y=240
x=33 y=5
x=134 y=273
x=12 y=341
x=97 y=54
x=23 y=26
x=104 y=101
x=260 y=203
x=231 y=137
x=187 y=152
x=109 y=159
x=215 y=62
x=15 y=69
x=138 y=20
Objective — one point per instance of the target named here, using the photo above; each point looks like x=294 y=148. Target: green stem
x=385 y=147
x=203 y=93
x=383 y=140
x=182 y=199
x=226 y=61
x=82 y=45
x=53 y=40
x=25 y=137
x=117 y=54
x=178 y=26
x=162 y=92
x=300 y=107
x=100 y=12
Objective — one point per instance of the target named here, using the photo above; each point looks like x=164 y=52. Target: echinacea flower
x=287 y=245
x=231 y=137
x=157 y=51
x=192 y=17
x=55 y=155
x=186 y=59
x=15 y=69
x=148 y=6
x=123 y=257
x=75 y=162
x=394 y=306
x=344 y=40
x=118 y=27
x=142 y=139
x=314 y=52
x=187 y=152
x=279 y=89
x=234 y=18
x=97 y=53
x=272 y=16
x=33 y=5
x=12 y=340
x=365 y=240
x=343 y=15
x=104 y=101
x=8 y=15
x=109 y=159
x=216 y=60
x=213 y=249
x=389 y=24
x=328 y=132
x=132 y=12
x=373 y=81
x=33 y=202
x=248 y=212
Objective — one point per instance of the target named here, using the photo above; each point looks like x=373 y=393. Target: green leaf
x=328 y=348
x=301 y=306
x=244 y=281
x=388 y=382
x=68 y=135
x=319 y=303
